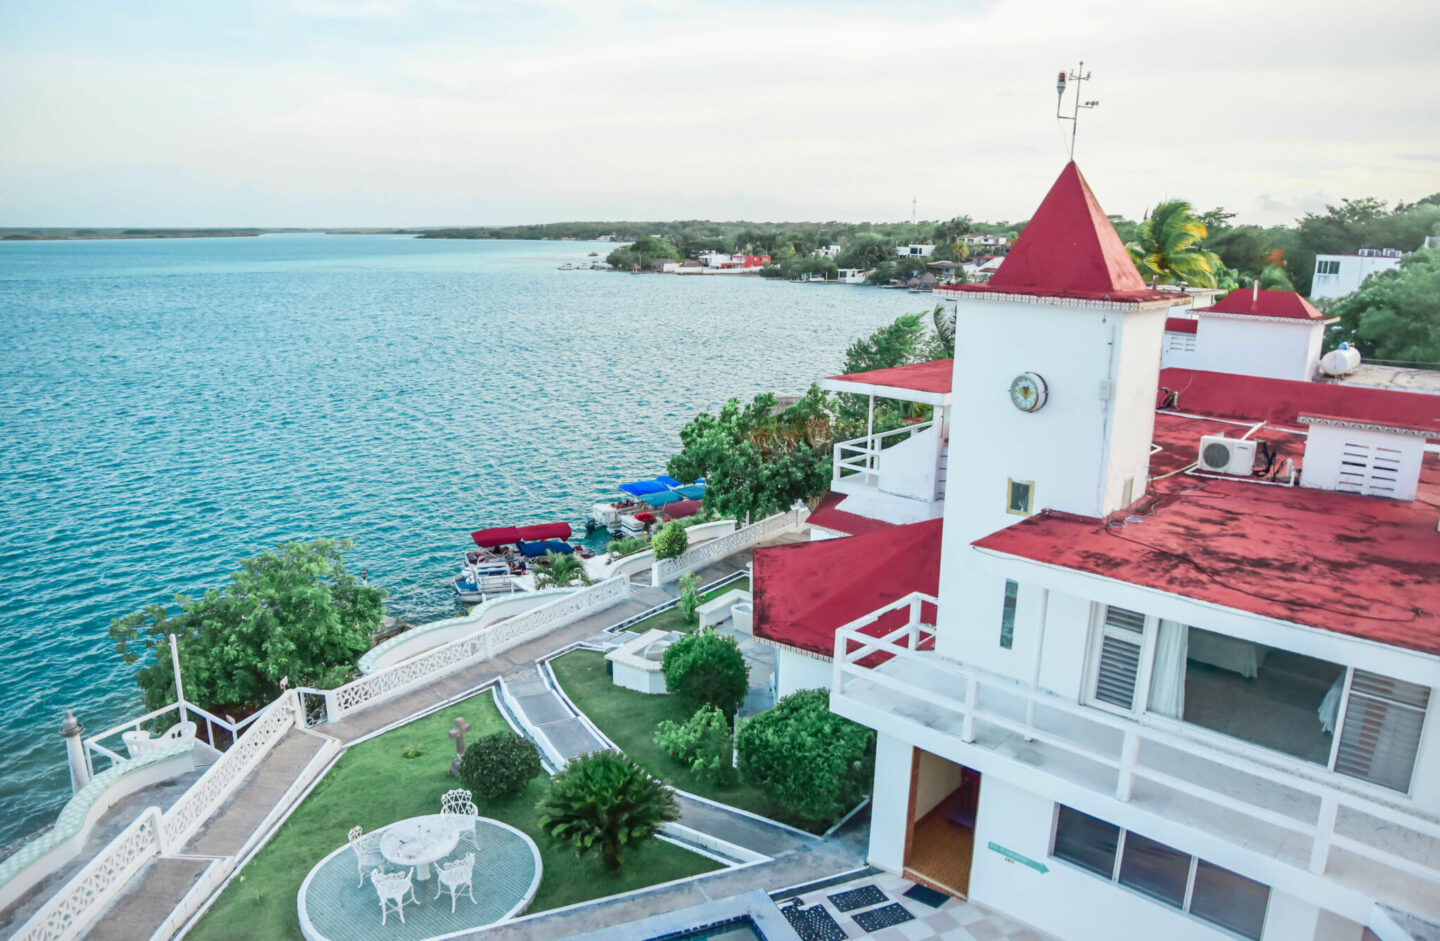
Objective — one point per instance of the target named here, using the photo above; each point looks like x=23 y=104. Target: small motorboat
x=486 y=573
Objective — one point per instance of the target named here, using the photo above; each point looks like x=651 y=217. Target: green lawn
x=629 y=719
x=673 y=620
x=373 y=784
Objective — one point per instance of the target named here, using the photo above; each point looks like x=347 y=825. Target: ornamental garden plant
x=670 y=540
x=499 y=765
x=812 y=762
x=606 y=802
x=707 y=669
x=702 y=743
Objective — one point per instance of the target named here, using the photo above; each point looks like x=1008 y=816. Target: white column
x=74 y=734
x=1290 y=919
x=890 y=805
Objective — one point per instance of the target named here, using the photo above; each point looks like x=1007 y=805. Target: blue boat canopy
x=668 y=481
x=661 y=499
x=643 y=488
x=692 y=492
x=535 y=550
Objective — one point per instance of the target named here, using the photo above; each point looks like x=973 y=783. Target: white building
x=828 y=251
x=985 y=244
x=1339 y=275
x=852 y=275
x=1152 y=696
x=1251 y=332
x=923 y=251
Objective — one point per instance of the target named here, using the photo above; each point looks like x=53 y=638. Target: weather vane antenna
x=1077 y=76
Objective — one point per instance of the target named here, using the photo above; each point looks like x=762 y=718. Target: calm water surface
x=170 y=406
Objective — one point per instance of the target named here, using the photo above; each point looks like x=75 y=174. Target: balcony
x=1338 y=844
x=896 y=475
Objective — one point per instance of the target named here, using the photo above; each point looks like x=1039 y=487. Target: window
x=1161 y=872
x=1122 y=638
x=1381 y=732
x=1007 y=615
x=1327 y=267
x=1018 y=497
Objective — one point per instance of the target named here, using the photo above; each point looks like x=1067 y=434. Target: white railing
x=474 y=648
x=667 y=570
x=975 y=702
x=858 y=460
x=213 y=725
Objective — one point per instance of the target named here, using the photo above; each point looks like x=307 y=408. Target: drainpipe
x=73 y=732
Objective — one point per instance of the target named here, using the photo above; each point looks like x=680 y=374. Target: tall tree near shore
x=1168 y=247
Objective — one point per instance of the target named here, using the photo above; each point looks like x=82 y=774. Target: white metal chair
x=392 y=887
x=460 y=807
x=140 y=742
x=455 y=876
x=367 y=852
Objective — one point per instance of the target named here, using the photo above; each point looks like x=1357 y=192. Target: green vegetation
x=673 y=619
x=295 y=613
x=630 y=719
x=561 y=571
x=702 y=743
x=670 y=541
x=1395 y=316
x=640 y=253
x=812 y=762
x=620 y=548
x=1168 y=247
x=606 y=802
x=689 y=600
x=707 y=669
x=371 y=786
x=499 y=765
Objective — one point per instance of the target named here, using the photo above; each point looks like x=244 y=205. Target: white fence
x=858 y=460
x=482 y=645
x=667 y=570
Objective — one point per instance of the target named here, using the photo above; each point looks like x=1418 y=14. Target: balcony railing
x=857 y=461
x=1188 y=778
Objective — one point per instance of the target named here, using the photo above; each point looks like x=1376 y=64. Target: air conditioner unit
x=1222 y=455
x=1368 y=252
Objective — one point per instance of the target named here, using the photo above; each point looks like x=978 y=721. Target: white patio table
x=418 y=842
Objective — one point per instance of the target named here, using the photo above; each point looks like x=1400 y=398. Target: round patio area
x=507 y=873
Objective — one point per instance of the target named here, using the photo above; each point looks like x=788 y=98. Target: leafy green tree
x=701 y=743
x=895 y=344
x=865 y=250
x=1356 y=224
x=941 y=343
x=499 y=765
x=604 y=801
x=707 y=669
x=812 y=762
x=670 y=541
x=1168 y=249
x=689 y=600
x=561 y=571
x=1273 y=278
x=291 y=613
x=1244 y=248
x=1395 y=315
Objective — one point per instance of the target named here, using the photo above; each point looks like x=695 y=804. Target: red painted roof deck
x=1286 y=305
x=805 y=591
x=828 y=516
x=1069 y=249
x=1178 y=439
x=933 y=377
x=1181 y=325
x=1253 y=398
x=1362 y=566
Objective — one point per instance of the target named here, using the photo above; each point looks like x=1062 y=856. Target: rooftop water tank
x=1339 y=361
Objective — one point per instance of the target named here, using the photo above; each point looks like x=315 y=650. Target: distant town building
x=828 y=251
x=920 y=250
x=1339 y=275
x=989 y=244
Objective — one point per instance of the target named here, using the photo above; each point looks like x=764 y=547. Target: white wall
x=890 y=803
x=908 y=469
x=936 y=781
x=1252 y=346
x=1354 y=269
x=795 y=671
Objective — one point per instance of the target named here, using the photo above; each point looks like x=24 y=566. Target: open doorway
x=944 y=799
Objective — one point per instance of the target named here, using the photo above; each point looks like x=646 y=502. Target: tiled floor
x=955 y=920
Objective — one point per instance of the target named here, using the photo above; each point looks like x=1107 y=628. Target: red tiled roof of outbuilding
x=1285 y=305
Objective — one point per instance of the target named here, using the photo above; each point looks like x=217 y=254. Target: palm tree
x=1168 y=251
x=561 y=571
x=607 y=802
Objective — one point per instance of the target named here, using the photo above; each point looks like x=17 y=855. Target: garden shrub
x=607 y=802
x=706 y=669
x=702 y=743
x=499 y=765
x=670 y=541
x=812 y=762
x=620 y=548
x=689 y=596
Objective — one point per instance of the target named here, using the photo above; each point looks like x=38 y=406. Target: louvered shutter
x=1372 y=470
x=1381 y=732
x=1122 y=635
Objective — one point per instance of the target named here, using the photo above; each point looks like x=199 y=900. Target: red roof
x=852 y=524
x=1070 y=249
x=1177 y=438
x=805 y=591
x=1362 y=566
x=934 y=376
x=1224 y=395
x=1284 y=304
x=1180 y=325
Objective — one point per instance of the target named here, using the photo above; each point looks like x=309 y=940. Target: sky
x=442 y=112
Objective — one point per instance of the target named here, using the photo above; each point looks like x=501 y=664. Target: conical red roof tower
x=1069 y=249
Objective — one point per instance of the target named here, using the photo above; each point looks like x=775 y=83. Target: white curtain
x=1167 y=679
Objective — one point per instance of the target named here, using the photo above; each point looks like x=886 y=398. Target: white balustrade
x=708 y=553
x=858 y=460
x=887 y=675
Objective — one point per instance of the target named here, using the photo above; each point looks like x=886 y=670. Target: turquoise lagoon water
x=170 y=406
